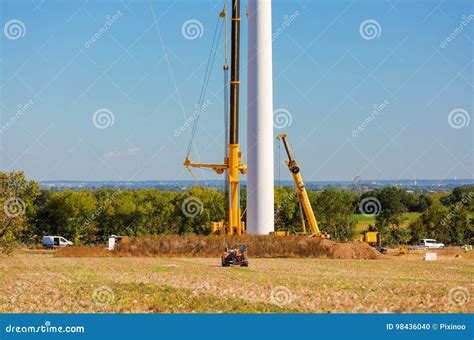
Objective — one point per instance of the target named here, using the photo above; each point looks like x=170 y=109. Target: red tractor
x=235 y=256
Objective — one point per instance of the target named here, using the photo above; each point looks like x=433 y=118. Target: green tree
x=409 y=201
x=287 y=213
x=463 y=195
x=388 y=220
x=424 y=201
x=195 y=210
x=17 y=199
x=432 y=223
x=456 y=226
x=333 y=209
x=70 y=214
x=392 y=207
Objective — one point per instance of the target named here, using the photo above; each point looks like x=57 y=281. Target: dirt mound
x=258 y=246
x=354 y=250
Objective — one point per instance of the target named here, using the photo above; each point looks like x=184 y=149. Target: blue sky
x=374 y=104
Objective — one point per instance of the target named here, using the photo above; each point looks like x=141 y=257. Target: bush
x=447 y=225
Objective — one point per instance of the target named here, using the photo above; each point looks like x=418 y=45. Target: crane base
x=221 y=228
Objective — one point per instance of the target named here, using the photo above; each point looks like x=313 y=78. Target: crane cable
x=205 y=83
x=204 y=86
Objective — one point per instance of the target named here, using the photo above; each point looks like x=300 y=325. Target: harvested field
x=363 y=222
x=258 y=246
x=37 y=281
x=82 y=251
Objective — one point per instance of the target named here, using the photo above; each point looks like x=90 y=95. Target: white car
x=55 y=242
x=431 y=243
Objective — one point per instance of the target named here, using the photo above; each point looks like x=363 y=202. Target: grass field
x=36 y=281
x=363 y=222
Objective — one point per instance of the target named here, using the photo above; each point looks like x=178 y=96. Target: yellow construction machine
x=305 y=205
x=232 y=166
x=372 y=238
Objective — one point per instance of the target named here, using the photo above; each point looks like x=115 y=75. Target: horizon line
x=286 y=180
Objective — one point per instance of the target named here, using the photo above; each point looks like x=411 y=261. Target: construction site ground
x=38 y=281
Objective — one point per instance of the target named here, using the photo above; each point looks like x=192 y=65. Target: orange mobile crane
x=233 y=160
x=305 y=205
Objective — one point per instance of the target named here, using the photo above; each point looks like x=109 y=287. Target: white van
x=55 y=242
x=431 y=243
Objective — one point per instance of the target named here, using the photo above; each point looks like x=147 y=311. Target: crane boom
x=301 y=191
x=232 y=165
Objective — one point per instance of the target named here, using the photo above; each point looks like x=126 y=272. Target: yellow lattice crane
x=233 y=160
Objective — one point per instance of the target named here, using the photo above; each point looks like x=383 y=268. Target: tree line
x=91 y=216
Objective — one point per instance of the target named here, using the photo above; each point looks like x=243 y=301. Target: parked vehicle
x=115 y=239
x=235 y=256
x=431 y=243
x=55 y=242
x=372 y=238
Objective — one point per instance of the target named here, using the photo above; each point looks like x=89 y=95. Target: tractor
x=235 y=256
